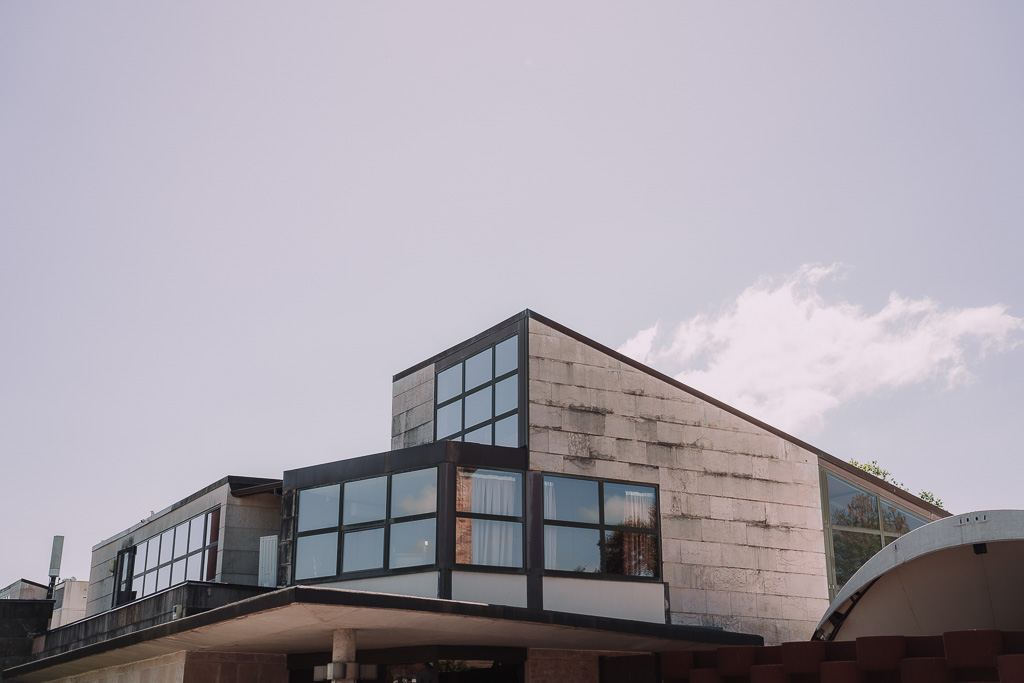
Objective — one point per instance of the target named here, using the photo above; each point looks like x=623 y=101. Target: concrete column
x=344 y=650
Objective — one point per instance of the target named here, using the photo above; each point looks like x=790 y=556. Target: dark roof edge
x=827 y=457
x=34 y=583
x=337 y=596
x=436 y=357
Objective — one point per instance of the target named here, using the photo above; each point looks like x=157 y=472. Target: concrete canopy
x=959 y=573
x=302 y=619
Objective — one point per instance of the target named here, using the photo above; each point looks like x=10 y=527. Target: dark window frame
x=603 y=528
x=385 y=523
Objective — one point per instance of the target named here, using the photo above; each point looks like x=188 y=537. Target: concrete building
x=549 y=509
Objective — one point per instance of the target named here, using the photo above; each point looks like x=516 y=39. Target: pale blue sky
x=224 y=226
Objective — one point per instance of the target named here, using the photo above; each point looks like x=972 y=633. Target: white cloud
x=783 y=354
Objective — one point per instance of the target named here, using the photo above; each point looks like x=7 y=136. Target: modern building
x=549 y=510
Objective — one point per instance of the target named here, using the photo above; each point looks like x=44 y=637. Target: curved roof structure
x=962 y=572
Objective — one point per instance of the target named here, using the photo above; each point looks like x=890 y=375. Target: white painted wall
x=618 y=599
x=490 y=589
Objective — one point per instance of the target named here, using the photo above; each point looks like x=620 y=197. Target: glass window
x=850 y=506
x=414 y=493
x=194 y=567
x=479 y=369
x=851 y=550
x=629 y=553
x=363 y=550
x=316 y=556
x=449 y=419
x=489 y=492
x=412 y=543
x=489 y=542
x=571 y=500
x=506 y=356
x=487 y=388
x=629 y=505
x=163 y=577
x=365 y=500
x=166 y=546
x=572 y=549
x=449 y=383
x=181 y=540
x=899 y=521
x=195 y=534
x=318 y=508
x=178 y=572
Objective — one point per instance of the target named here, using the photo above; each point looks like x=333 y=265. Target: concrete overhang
x=302 y=619
x=962 y=572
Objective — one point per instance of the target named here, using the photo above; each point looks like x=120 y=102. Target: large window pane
x=318 y=508
x=363 y=550
x=571 y=500
x=178 y=572
x=506 y=395
x=449 y=383
x=630 y=553
x=506 y=356
x=414 y=493
x=506 y=432
x=489 y=492
x=449 y=419
x=478 y=369
x=195 y=533
x=412 y=543
x=166 y=546
x=181 y=540
x=489 y=542
x=629 y=505
x=852 y=549
x=571 y=549
x=850 y=506
x=478 y=407
x=316 y=556
x=140 y=558
x=194 y=567
x=365 y=500
x=899 y=521
x=482 y=435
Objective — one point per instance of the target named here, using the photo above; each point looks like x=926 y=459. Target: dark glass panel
x=181 y=540
x=194 y=567
x=489 y=542
x=318 y=508
x=449 y=420
x=850 y=506
x=489 y=492
x=195 y=533
x=571 y=500
x=629 y=505
x=506 y=395
x=629 y=553
x=178 y=572
x=851 y=550
x=363 y=550
x=365 y=500
x=899 y=521
x=166 y=546
x=506 y=356
x=478 y=369
x=571 y=549
x=478 y=407
x=414 y=493
x=412 y=543
x=482 y=435
x=316 y=556
x=506 y=432
x=210 y=560
x=449 y=383
x=213 y=526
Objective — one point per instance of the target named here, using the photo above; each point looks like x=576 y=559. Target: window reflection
x=318 y=508
x=850 y=506
x=365 y=500
x=316 y=556
x=491 y=542
x=852 y=550
x=414 y=493
x=630 y=553
x=572 y=549
x=479 y=369
x=629 y=505
x=363 y=550
x=571 y=500
x=412 y=543
x=472 y=395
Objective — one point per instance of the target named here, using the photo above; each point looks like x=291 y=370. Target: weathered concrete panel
x=412 y=409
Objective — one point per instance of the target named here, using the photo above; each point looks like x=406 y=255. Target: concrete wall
x=412 y=409
x=193 y=667
x=742 y=540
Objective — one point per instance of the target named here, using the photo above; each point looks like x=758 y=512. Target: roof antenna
x=55 y=555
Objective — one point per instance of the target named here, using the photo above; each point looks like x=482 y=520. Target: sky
x=225 y=226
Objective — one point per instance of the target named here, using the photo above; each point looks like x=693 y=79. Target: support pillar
x=344 y=650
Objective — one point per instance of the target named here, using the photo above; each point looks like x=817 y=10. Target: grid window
x=386 y=522
x=174 y=556
x=857 y=525
x=601 y=527
x=477 y=399
x=489 y=517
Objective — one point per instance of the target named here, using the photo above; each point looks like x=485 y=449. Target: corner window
x=385 y=522
x=186 y=552
x=477 y=399
x=601 y=527
x=857 y=525
x=489 y=518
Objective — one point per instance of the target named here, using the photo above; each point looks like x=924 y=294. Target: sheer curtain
x=494 y=541
x=637 y=548
x=550 y=533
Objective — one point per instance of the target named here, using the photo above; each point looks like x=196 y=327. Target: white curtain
x=638 y=508
x=550 y=533
x=494 y=541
